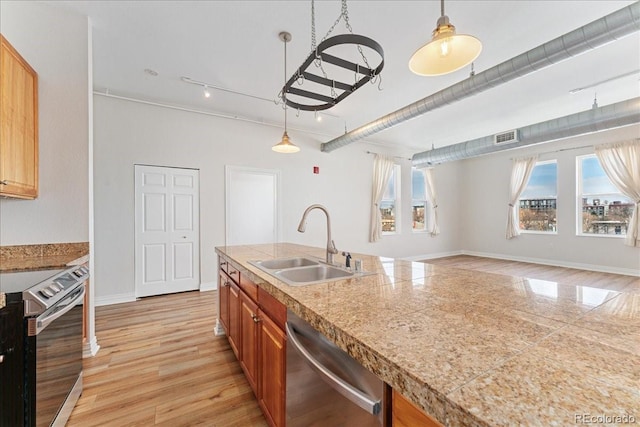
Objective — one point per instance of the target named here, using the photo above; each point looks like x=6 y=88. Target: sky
x=543 y=182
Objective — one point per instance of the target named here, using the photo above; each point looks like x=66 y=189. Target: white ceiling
x=235 y=45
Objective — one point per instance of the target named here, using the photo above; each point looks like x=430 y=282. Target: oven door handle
x=75 y=297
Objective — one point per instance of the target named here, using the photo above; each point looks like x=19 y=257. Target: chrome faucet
x=331 y=246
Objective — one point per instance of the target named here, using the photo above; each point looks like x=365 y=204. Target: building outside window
x=418 y=200
x=602 y=209
x=538 y=202
x=390 y=203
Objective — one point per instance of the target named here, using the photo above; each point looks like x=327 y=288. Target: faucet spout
x=331 y=246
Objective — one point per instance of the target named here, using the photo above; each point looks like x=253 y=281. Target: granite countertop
x=474 y=348
x=42 y=257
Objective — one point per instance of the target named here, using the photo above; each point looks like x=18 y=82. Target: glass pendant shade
x=446 y=52
x=285 y=146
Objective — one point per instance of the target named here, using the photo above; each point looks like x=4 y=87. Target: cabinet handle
x=4 y=182
x=255 y=318
x=1 y=358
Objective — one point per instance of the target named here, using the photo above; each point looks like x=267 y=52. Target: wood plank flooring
x=567 y=276
x=159 y=364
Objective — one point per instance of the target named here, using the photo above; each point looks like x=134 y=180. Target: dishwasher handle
x=347 y=390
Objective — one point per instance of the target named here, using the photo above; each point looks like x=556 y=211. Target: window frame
x=396 y=176
x=580 y=195
x=546 y=233
x=424 y=202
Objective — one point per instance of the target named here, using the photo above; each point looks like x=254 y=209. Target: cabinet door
x=272 y=371
x=249 y=328
x=18 y=125
x=234 y=320
x=224 y=301
x=406 y=414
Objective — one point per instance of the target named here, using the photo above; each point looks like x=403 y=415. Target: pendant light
x=285 y=146
x=446 y=52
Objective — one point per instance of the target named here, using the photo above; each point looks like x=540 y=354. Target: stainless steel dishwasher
x=325 y=386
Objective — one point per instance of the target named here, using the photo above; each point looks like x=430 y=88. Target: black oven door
x=53 y=360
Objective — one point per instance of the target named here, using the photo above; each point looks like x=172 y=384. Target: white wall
x=128 y=133
x=55 y=44
x=485 y=198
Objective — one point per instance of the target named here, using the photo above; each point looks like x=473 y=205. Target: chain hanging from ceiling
x=314 y=92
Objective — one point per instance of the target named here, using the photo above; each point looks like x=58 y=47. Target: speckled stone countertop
x=40 y=257
x=474 y=348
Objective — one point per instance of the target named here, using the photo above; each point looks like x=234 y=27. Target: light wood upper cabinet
x=18 y=125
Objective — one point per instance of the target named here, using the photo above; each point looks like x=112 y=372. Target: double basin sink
x=299 y=271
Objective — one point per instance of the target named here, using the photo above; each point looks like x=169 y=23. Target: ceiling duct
x=593 y=120
x=597 y=33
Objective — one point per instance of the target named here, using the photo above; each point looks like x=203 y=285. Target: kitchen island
x=473 y=348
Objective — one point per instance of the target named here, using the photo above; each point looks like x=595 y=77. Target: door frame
x=229 y=170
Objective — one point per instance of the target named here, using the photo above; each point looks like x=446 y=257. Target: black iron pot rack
x=348 y=89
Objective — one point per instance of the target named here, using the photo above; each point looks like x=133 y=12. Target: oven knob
x=56 y=287
x=46 y=292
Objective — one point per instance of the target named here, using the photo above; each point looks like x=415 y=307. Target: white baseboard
x=432 y=256
x=90 y=348
x=208 y=286
x=555 y=263
x=115 y=299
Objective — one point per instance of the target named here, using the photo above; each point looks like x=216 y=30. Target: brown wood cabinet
x=18 y=125
x=255 y=329
x=406 y=414
x=233 y=333
x=273 y=357
x=249 y=332
x=223 y=281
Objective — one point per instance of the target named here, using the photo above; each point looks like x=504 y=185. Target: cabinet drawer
x=272 y=307
x=232 y=272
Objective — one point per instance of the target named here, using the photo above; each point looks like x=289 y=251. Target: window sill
x=606 y=236
x=547 y=233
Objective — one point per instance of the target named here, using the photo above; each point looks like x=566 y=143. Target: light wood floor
x=567 y=276
x=159 y=364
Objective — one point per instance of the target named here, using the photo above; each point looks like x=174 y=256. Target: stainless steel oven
x=53 y=323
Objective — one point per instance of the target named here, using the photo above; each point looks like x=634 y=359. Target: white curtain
x=432 y=199
x=520 y=175
x=621 y=163
x=382 y=170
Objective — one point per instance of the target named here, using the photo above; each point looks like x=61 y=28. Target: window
x=602 y=209
x=418 y=200
x=538 y=202
x=390 y=203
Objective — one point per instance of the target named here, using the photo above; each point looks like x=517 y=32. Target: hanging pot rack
x=347 y=89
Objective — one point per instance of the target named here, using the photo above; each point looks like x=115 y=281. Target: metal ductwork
x=588 y=37
x=594 y=120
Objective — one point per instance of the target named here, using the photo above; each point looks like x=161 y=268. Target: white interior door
x=167 y=245
x=251 y=206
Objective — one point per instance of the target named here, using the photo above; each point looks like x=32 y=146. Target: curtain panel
x=621 y=163
x=432 y=199
x=382 y=170
x=520 y=174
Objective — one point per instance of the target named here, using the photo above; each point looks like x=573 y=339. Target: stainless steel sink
x=318 y=273
x=301 y=271
x=279 y=264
